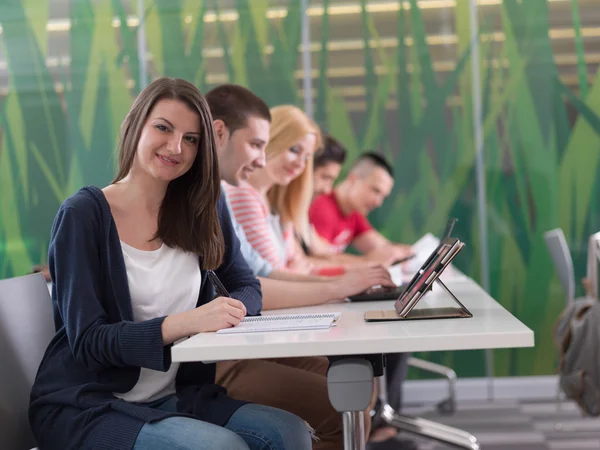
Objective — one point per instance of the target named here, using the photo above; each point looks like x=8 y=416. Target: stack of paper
x=284 y=322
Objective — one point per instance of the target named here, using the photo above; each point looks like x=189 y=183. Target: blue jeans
x=251 y=427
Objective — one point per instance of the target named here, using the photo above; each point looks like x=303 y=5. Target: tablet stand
x=449 y=292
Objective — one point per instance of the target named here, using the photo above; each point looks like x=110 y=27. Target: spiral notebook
x=284 y=322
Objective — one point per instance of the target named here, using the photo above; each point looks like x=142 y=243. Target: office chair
x=563 y=263
x=26 y=328
x=446 y=406
x=419 y=426
x=384 y=412
x=592 y=265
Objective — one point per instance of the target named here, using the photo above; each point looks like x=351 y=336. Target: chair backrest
x=563 y=263
x=26 y=328
x=592 y=264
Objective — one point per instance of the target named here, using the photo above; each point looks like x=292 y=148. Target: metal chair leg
x=430 y=429
x=559 y=396
x=448 y=405
x=423 y=427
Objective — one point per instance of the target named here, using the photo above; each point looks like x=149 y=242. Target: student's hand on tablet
x=360 y=279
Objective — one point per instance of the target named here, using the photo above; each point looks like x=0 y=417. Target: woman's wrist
x=175 y=327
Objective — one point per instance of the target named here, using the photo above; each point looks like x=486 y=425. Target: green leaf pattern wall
x=393 y=76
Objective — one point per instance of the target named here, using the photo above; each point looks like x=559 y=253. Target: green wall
x=69 y=90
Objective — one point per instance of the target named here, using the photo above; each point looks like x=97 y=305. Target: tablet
x=422 y=282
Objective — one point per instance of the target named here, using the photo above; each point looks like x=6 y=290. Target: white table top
x=490 y=327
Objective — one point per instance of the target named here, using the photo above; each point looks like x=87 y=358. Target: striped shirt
x=259 y=266
x=264 y=231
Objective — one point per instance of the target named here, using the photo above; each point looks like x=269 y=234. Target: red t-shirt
x=332 y=225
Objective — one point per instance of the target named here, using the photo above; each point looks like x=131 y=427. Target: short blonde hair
x=289 y=124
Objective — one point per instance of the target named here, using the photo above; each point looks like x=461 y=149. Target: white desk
x=490 y=327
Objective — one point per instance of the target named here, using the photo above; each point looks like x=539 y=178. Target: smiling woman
x=167 y=137
x=128 y=266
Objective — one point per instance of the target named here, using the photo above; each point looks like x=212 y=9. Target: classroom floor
x=504 y=425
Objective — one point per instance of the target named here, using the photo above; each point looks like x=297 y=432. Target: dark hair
x=188 y=217
x=234 y=104
x=377 y=160
x=332 y=151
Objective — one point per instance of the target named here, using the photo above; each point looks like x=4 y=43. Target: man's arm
x=285 y=275
x=376 y=246
x=369 y=241
x=322 y=250
x=346 y=259
x=278 y=294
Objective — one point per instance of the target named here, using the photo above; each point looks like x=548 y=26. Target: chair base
x=429 y=429
x=448 y=405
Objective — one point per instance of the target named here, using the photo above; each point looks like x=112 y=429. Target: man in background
x=327 y=165
x=340 y=216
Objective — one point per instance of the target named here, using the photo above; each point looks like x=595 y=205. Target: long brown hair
x=188 y=217
x=289 y=124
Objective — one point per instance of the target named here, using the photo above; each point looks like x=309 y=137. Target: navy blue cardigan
x=98 y=349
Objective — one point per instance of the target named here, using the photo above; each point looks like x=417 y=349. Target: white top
x=277 y=230
x=491 y=326
x=161 y=282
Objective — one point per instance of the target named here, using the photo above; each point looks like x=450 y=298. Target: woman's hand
x=222 y=312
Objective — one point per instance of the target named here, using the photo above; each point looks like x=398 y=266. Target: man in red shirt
x=339 y=217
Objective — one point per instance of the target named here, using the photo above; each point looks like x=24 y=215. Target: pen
x=401 y=260
x=221 y=290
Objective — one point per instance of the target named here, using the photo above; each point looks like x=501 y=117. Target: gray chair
x=563 y=264
x=562 y=260
x=26 y=328
x=592 y=265
x=422 y=427
x=447 y=405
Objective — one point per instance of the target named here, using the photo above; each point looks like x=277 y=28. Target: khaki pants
x=297 y=385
